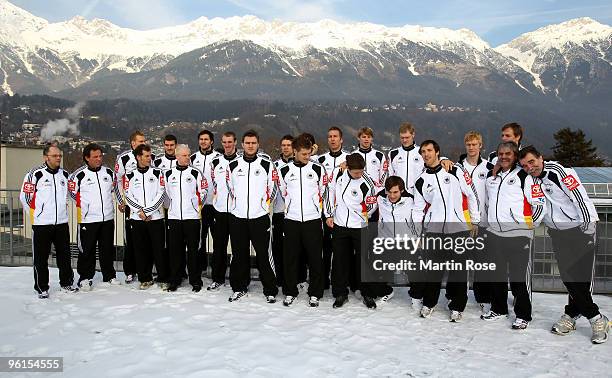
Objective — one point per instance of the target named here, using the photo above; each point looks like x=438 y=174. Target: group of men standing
x=304 y=216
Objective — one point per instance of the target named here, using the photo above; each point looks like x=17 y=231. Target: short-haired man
x=405 y=161
x=92 y=187
x=478 y=169
x=376 y=162
x=353 y=194
x=571 y=219
x=303 y=184
x=278 y=216
x=510 y=132
x=515 y=204
x=145 y=194
x=330 y=161
x=168 y=159
x=126 y=162
x=44 y=196
x=251 y=182
x=221 y=204
x=186 y=188
x=201 y=159
x=446 y=204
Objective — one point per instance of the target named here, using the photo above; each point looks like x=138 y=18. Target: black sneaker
x=196 y=288
x=340 y=301
x=270 y=298
x=172 y=288
x=43 y=295
x=313 y=301
x=369 y=302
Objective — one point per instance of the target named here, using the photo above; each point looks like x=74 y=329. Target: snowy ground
x=122 y=331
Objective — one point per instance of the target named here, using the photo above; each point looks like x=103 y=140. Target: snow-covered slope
x=121 y=331
x=556 y=55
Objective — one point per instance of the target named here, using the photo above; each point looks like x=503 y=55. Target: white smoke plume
x=65 y=125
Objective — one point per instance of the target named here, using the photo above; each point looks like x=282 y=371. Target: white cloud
x=146 y=14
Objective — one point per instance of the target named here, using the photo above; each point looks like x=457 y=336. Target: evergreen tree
x=573 y=150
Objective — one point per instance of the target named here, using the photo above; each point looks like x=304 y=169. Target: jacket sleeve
x=469 y=190
x=332 y=180
x=371 y=198
x=73 y=186
x=119 y=181
x=324 y=193
x=272 y=184
x=419 y=207
x=204 y=187
x=384 y=171
x=28 y=189
x=535 y=197
x=573 y=187
x=131 y=202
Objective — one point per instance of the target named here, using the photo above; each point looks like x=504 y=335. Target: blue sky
x=495 y=21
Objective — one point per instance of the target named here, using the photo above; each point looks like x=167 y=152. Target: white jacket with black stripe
x=218 y=187
x=304 y=189
x=202 y=162
x=445 y=202
x=279 y=200
x=567 y=203
x=251 y=183
x=478 y=174
x=92 y=191
x=145 y=190
x=395 y=218
x=164 y=162
x=353 y=199
x=515 y=203
x=186 y=189
x=44 y=195
x=406 y=163
x=376 y=164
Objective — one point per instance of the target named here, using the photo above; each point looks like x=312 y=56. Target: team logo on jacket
x=354 y=193
x=570 y=182
x=189 y=180
x=62 y=182
x=416 y=159
x=105 y=179
x=257 y=172
x=310 y=176
x=375 y=162
x=482 y=175
x=28 y=187
x=151 y=179
x=447 y=180
x=511 y=181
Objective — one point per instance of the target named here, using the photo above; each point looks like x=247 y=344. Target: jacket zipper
x=101 y=199
x=55 y=190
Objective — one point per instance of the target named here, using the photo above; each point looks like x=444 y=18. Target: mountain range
x=246 y=57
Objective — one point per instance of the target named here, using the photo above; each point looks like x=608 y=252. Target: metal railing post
x=10 y=206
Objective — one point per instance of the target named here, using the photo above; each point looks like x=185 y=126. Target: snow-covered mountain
x=241 y=57
x=568 y=60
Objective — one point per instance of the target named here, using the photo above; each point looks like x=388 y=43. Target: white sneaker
x=455 y=316
x=163 y=286
x=492 y=316
x=426 y=312
x=214 y=286
x=237 y=295
x=86 y=285
x=520 y=324
x=385 y=298
x=113 y=282
x=43 y=295
x=601 y=326
x=564 y=326
x=313 y=301
x=129 y=279
x=270 y=299
x=288 y=301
